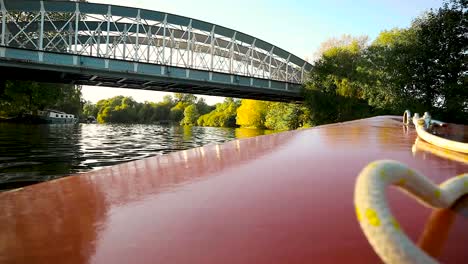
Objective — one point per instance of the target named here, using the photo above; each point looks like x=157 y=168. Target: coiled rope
x=372 y=210
x=375 y=218
x=422 y=126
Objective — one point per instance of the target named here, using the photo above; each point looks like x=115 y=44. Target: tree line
x=421 y=68
x=187 y=109
x=26 y=97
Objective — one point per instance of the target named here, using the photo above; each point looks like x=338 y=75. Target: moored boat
x=56 y=117
x=90 y=120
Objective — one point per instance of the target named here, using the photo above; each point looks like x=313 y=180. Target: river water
x=35 y=153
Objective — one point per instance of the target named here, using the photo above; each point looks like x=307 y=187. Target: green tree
x=145 y=112
x=334 y=92
x=118 y=109
x=387 y=72
x=22 y=97
x=181 y=102
x=284 y=116
x=191 y=115
x=442 y=70
x=203 y=107
x=162 y=112
x=168 y=99
x=176 y=114
x=423 y=68
x=185 y=98
x=224 y=115
x=90 y=109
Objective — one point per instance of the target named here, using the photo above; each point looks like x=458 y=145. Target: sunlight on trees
x=422 y=68
x=191 y=115
x=224 y=115
x=252 y=113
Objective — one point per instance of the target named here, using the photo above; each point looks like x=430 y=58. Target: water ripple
x=35 y=153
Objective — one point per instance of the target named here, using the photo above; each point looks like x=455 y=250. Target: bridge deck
x=84 y=70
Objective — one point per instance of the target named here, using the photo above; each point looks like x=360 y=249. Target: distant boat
x=91 y=120
x=56 y=117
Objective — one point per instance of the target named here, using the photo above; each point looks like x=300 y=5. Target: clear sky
x=296 y=26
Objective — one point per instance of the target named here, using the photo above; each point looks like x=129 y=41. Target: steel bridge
x=116 y=46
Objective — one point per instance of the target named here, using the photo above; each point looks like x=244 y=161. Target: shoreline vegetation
x=422 y=68
x=188 y=110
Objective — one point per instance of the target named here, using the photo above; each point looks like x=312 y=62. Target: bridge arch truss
x=143 y=36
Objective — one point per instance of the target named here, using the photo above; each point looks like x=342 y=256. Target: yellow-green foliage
x=118 y=109
x=191 y=115
x=252 y=113
x=271 y=115
x=224 y=115
x=392 y=37
x=122 y=109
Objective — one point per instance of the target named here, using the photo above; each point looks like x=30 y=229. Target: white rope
x=375 y=218
x=425 y=123
x=373 y=213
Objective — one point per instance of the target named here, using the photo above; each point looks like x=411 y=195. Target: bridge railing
x=139 y=35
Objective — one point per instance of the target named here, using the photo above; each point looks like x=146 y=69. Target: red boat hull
x=281 y=198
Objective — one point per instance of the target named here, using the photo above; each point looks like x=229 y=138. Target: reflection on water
x=437 y=229
x=421 y=147
x=36 y=153
x=74 y=219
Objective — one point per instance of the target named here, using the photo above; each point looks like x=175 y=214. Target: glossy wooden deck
x=282 y=198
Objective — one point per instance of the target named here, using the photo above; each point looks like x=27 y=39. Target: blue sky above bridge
x=296 y=26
